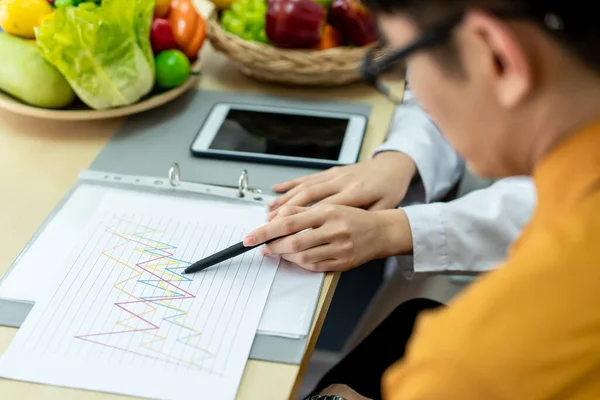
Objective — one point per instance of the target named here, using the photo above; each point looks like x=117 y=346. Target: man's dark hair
x=572 y=23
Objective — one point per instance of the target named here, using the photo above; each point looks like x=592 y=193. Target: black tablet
x=280 y=135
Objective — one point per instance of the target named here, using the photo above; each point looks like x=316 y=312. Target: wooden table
x=40 y=160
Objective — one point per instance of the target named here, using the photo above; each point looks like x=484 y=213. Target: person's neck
x=572 y=105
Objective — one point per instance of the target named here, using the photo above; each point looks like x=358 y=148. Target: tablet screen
x=281 y=134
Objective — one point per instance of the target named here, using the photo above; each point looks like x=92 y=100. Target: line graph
x=121 y=318
x=163 y=268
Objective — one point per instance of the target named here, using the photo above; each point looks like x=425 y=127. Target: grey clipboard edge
x=14 y=312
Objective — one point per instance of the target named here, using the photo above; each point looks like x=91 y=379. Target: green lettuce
x=104 y=51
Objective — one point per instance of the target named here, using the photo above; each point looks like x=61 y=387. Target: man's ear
x=510 y=67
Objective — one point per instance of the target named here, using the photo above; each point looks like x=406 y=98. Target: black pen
x=223 y=255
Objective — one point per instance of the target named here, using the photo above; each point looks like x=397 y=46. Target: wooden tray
x=80 y=112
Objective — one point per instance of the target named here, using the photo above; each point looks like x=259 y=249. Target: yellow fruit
x=20 y=17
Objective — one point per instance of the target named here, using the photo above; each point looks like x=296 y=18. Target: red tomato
x=161 y=35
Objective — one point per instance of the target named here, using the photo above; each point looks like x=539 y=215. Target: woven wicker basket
x=331 y=67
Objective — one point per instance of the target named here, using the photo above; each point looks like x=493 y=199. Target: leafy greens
x=104 y=51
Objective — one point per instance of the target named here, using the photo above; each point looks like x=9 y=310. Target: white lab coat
x=470 y=233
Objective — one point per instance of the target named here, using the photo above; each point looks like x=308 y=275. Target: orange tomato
x=189 y=27
x=161 y=9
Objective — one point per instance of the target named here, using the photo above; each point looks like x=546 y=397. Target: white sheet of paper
x=290 y=306
x=123 y=319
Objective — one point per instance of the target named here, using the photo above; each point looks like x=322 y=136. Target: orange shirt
x=531 y=329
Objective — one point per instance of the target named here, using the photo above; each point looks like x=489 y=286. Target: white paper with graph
x=124 y=319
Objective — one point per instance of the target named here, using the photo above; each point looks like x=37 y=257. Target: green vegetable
x=246 y=19
x=25 y=75
x=103 y=51
x=172 y=68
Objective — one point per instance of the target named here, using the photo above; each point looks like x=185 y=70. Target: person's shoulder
x=544 y=294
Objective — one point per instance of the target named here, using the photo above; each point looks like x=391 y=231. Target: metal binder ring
x=174 y=174
x=243 y=184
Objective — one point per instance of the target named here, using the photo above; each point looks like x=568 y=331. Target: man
x=527 y=73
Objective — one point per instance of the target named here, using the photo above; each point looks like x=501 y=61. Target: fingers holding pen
x=323 y=237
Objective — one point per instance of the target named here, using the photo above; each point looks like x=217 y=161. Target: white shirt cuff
x=430 y=244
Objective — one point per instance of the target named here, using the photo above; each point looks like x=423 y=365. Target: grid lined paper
x=125 y=319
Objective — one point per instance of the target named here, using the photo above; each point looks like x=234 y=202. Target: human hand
x=332 y=237
x=378 y=184
x=343 y=391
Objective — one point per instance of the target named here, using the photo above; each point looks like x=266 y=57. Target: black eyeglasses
x=380 y=59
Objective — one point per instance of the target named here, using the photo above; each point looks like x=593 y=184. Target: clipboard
x=271 y=342
x=143 y=150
